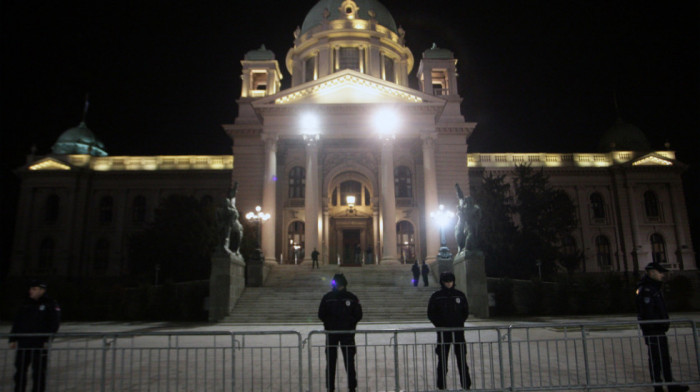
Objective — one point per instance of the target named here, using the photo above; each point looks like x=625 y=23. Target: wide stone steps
x=292 y=294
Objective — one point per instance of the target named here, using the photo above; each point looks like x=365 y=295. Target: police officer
x=38 y=315
x=448 y=308
x=651 y=306
x=340 y=310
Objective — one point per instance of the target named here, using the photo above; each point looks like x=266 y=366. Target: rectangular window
x=310 y=69
x=389 y=74
x=349 y=58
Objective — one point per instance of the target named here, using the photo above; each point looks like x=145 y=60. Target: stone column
x=269 y=204
x=675 y=191
x=432 y=242
x=311 y=198
x=634 y=222
x=388 y=203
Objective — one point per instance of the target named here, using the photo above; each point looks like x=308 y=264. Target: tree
x=546 y=215
x=179 y=242
x=527 y=225
x=497 y=230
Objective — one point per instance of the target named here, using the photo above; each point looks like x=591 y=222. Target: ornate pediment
x=49 y=164
x=652 y=160
x=348 y=87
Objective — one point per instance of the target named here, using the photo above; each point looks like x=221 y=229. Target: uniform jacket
x=448 y=308
x=416 y=270
x=651 y=306
x=340 y=310
x=36 y=316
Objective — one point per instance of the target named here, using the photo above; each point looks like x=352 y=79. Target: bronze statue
x=230 y=229
x=468 y=219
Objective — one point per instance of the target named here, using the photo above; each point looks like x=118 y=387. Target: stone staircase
x=292 y=293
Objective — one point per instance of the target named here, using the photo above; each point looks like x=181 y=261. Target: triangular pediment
x=48 y=163
x=348 y=87
x=652 y=159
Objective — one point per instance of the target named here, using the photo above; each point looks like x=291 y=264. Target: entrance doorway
x=352 y=250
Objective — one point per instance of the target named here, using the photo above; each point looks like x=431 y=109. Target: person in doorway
x=652 y=306
x=38 y=315
x=448 y=308
x=416 y=273
x=340 y=310
x=358 y=254
x=314 y=259
x=425 y=270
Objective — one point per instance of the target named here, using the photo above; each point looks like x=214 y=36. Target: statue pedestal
x=226 y=283
x=256 y=270
x=470 y=276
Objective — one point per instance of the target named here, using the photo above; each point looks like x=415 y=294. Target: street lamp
x=443 y=217
x=258 y=217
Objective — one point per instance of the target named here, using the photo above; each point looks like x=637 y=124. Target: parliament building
x=349 y=160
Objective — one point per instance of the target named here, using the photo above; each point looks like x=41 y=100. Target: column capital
x=429 y=138
x=311 y=140
x=270 y=140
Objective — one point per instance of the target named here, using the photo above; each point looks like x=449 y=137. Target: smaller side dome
x=79 y=140
x=261 y=54
x=438 y=53
x=624 y=137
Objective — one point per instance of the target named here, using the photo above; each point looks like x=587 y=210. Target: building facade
x=348 y=160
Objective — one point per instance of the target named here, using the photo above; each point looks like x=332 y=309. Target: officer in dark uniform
x=651 y=306
x=38 y=315
x=416 y=273
x=448 y=308
x=340 y=310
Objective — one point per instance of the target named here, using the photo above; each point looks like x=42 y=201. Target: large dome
x=79 y=140
x=624 y=137
x=381 y=14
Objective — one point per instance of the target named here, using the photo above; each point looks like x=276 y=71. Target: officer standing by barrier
x=39 y=314
x=652 y=306
x=448 y=308
x=340 y=310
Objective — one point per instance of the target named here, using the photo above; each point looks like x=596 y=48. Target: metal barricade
x=168 y=361
x=605 y=356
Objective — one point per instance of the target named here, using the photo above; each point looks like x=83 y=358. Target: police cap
x=447 y=277
x=339 y=280
x=655 y=266
x=38 y=283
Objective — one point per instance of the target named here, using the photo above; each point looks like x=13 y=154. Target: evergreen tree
x=497 y=231
x=546 y=215
x=180 y=241
x=526 y=226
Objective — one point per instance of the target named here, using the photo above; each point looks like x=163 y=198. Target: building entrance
x=352 y=249
x=349 y=241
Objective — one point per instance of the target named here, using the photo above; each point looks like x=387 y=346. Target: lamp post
x=258 y=217
x=443 y=217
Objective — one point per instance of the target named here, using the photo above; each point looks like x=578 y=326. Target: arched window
x=101 y=261
x=658 y=248
x=138 y=209
x=46 y=252
x=651 y=205
x=295 y=243
x=350 y=188
x=297 y=182
x=568 y=246
x=598 y=206
x=52 y=208
x=106 y=209
x=603 y=253
x=402 y=182
x=405 y=241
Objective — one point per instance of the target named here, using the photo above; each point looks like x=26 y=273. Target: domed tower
x=349 y=34
x=624 y=137
x=261 y=74
x=79 y=140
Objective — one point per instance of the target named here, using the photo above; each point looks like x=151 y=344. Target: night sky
x=164 y=75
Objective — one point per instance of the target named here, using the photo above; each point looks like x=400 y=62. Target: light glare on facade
x=386 y=121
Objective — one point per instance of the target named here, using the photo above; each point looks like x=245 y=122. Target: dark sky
x=163 y=75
